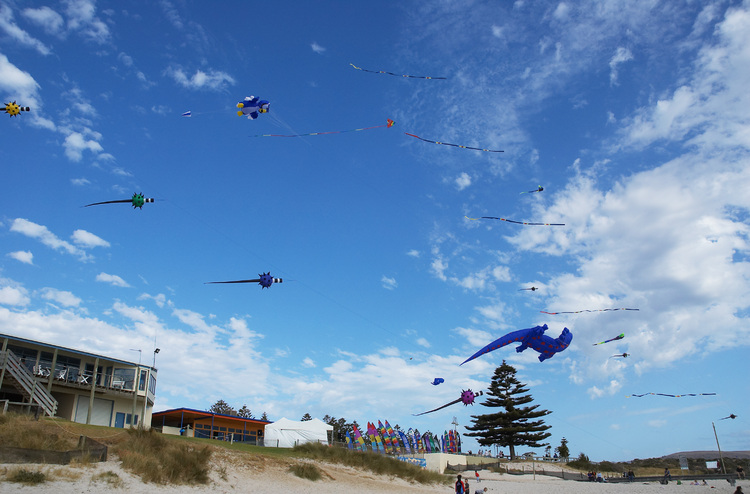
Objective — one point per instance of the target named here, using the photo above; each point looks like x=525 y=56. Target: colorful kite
x=252 y=106
x=12 y=109
x=538 y=189
x=437 y=381
x=672 y=396
x=623 y=355
x=454 y=145
x=467 y=398
x=397 y=75
x=512 y=221
x=187 y=114
x=265 y=280
x=730 y=416
x=533 y=289
x=137 y=201
x=359 y=439
x=618 y=337
x=533 y=338
x=587 y=310
x=389 y=123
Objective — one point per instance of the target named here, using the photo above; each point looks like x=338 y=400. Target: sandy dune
x=238 y=474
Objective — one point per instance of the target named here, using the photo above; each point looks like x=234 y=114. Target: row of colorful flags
x=384 y=439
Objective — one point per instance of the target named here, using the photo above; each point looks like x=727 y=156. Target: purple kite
x=467 y=398
x=533 y=338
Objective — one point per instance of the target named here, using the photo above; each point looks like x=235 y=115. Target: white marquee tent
x=285 y=433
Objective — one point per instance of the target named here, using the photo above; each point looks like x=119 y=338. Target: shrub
x=155 y=459
x=306 y=471
x=28 y=477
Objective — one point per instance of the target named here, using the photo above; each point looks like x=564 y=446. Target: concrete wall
x=437 y=462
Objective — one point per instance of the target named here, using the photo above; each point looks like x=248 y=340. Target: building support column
x=93 y=388
x=2 y=372
x=52 y=372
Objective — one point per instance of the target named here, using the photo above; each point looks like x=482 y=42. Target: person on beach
x=480 y=491
x=460 y=485
x=667 y=475
x=740 y=472
x=738 y=490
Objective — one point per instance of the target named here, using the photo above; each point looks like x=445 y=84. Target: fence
x=87 y=447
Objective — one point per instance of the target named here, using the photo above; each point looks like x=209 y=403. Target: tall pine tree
x=512 y=424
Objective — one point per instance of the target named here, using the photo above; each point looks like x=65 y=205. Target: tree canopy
x=512 y=424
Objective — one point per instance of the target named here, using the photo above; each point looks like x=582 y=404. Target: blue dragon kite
x=533 y=338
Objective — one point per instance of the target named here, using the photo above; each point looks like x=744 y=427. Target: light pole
x=135 y=386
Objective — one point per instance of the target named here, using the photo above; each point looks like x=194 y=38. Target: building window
x=152 y=385
x=142 y=380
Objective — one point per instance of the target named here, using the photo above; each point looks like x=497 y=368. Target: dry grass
x=23 y=476
x=157 y=459
x=306 y=471
x=21 y=431
x=376 y=463
x=110 y=478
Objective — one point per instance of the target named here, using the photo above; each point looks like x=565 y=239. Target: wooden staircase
x=21 y=379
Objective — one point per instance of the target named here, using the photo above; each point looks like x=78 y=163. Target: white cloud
x=388 y=283
x=16 y=296
x=413 y=253
x=17 y=34
x=463 y=181
x=112 y=279
x=622 y=55
x=46 y=18
x=423 y=342
x=80 y=181
x=308 y=362
x=76 y=143
x=88 y=240
x=613 y=387
x=200 y=80
x=82 y=18
x=23 y=256
x=41 y=233
x=438 y=268
x=62 y=297
x=317 y=48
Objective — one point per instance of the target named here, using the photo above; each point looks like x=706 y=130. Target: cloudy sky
x=633 y=117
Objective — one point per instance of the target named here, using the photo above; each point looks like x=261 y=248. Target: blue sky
x=632 y=116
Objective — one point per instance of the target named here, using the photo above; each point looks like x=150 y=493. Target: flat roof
x=191 y=414
x=72 y=350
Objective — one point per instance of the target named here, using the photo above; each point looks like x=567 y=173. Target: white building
x=75 y=385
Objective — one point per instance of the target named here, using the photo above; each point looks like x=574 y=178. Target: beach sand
x=233 y=473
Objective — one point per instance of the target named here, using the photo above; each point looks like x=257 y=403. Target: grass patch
x=156 y=459
x=376 y=463
x=306 y=471
x=28 y=477
x=22 y=431
x=110 y=478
